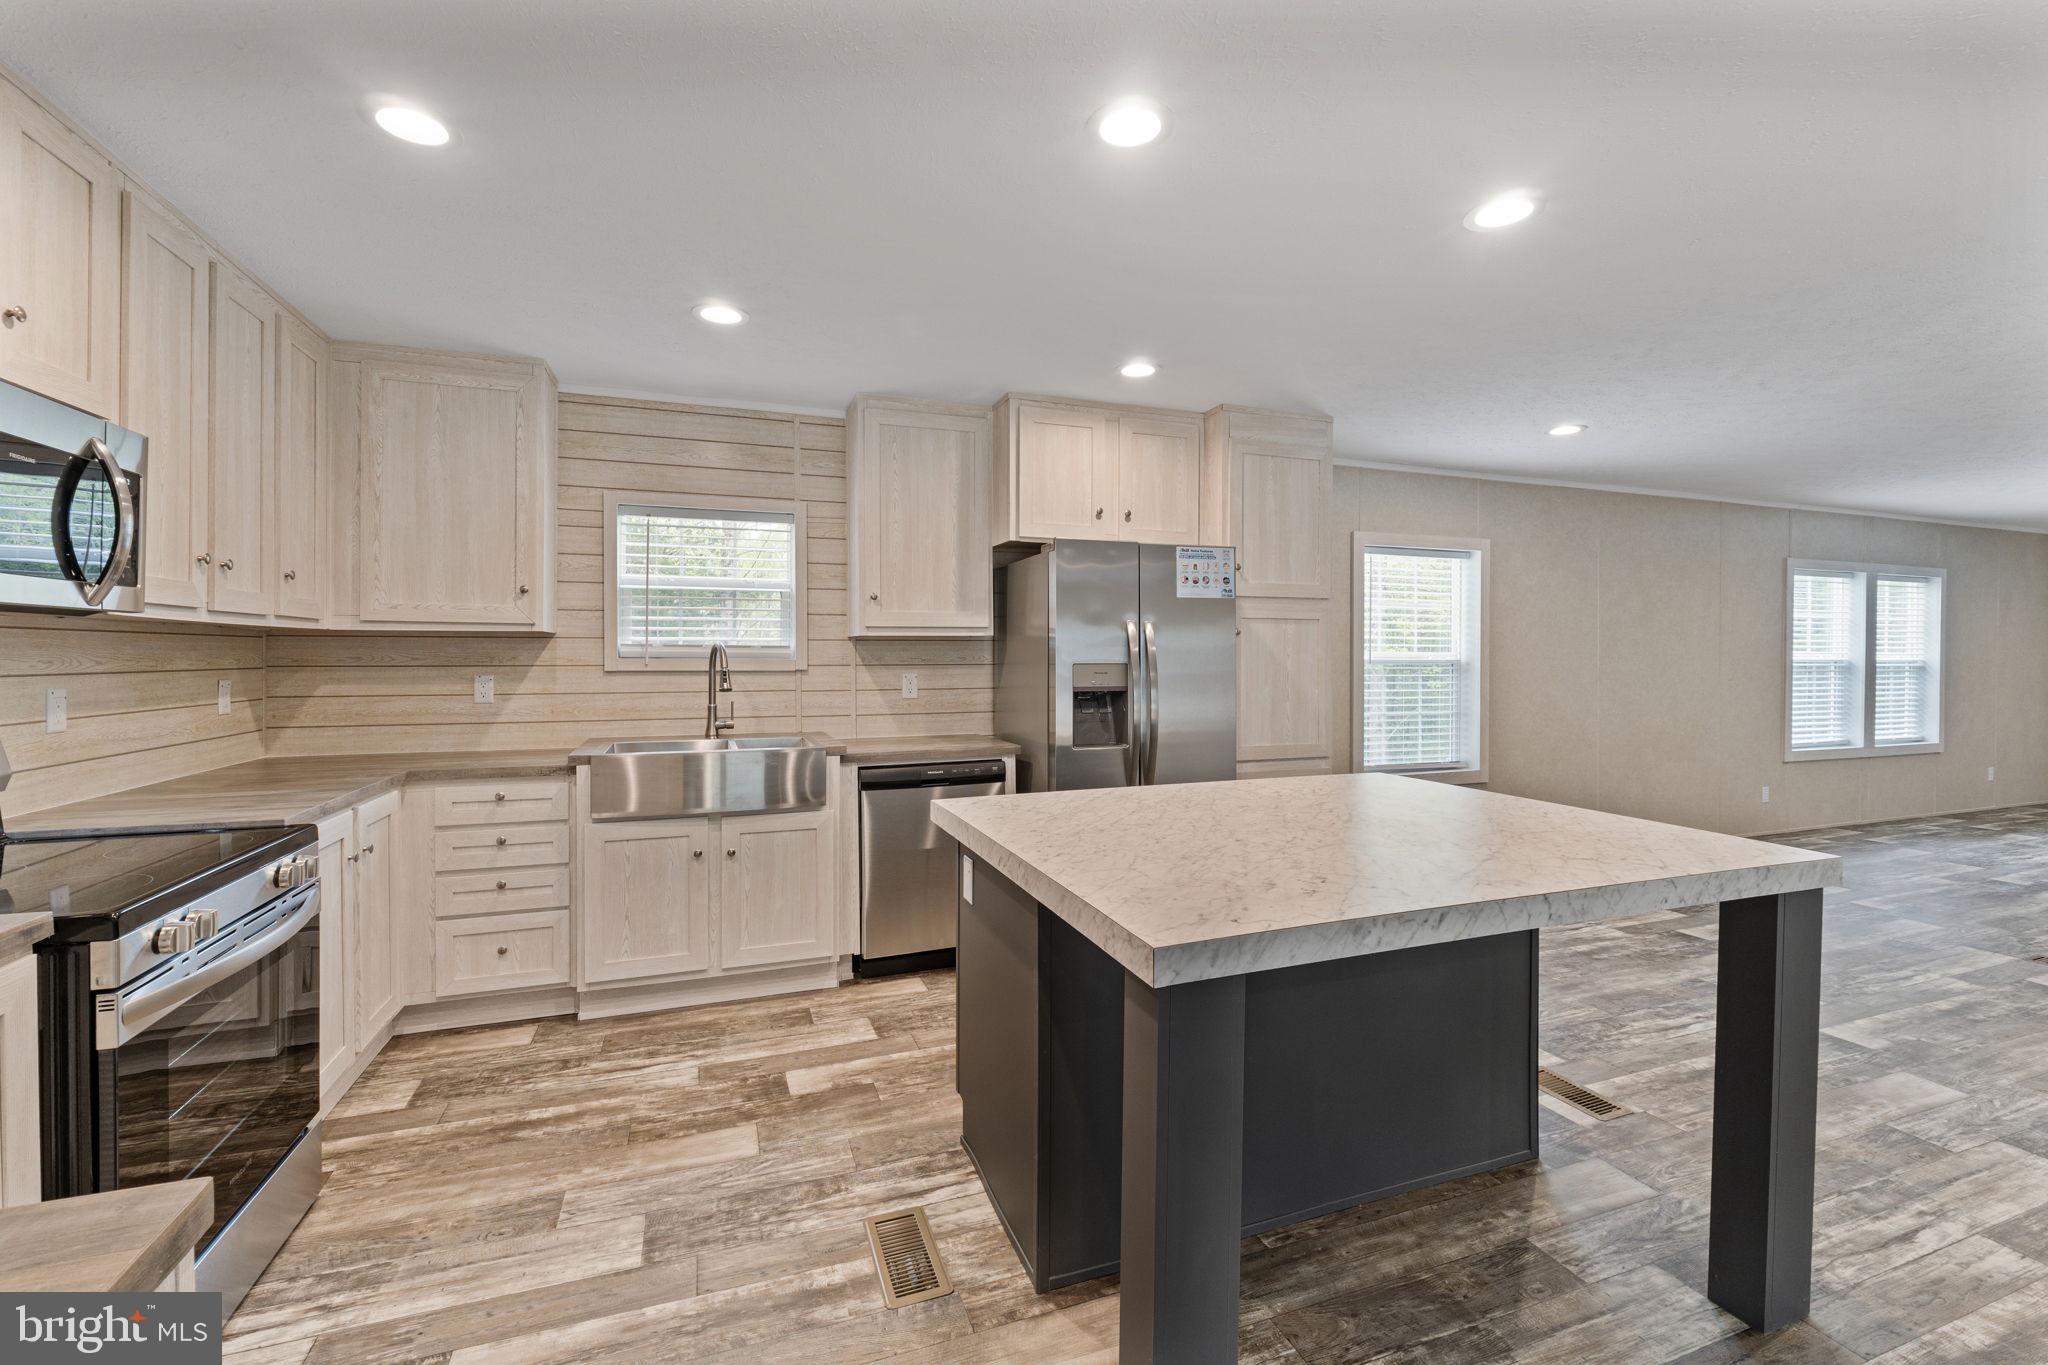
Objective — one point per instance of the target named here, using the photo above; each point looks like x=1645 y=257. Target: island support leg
x=1183 y=1176
x=1766 y=1070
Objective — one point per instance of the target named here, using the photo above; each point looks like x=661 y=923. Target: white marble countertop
x=1182 y=883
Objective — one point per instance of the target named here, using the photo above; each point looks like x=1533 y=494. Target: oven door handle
x=123 y=553
x=137 y=1012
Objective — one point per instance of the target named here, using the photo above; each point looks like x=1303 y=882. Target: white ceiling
x=1792 y=250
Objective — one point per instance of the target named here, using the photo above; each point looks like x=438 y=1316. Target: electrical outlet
x=910 y=684
x=56 y=711
x=1991 y=774
x=485 y=690
x=1767 y=796
x=226 y=701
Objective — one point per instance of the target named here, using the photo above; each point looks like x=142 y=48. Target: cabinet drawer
x=502 y=891
x=500 y=803
x=501 y=952
x=492 y=846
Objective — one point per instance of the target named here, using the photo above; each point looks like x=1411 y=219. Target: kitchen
x=463 y=648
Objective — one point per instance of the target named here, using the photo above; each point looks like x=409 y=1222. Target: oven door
x=70 y=507
x=212 y=1067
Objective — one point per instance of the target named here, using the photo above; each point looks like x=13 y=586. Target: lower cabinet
x=501 y=952
x=652 y=907
x=375 y=936
x=21 y=1151
x=338 y=1041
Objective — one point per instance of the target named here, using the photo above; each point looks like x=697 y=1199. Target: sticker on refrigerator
x=1204 y=571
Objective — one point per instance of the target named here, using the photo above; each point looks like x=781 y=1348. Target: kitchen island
x=1191 y=1012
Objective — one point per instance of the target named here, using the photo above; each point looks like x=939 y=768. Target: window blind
x=1419 y=615
x=691 y=577
x=1903 y=703
x=1826 y=660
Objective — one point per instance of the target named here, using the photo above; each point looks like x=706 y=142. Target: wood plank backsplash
x=142 y=698
x=385 y=693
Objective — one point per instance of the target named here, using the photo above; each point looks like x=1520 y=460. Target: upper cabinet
x=1098 y=473
x=1275 y=490
x=917 y=519
x=60 y=259
x=165 y=338
x=243 y=454
x=447 y=468
x=301 y=536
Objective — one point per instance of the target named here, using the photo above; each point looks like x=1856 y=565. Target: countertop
x=127 y=1240
x=19 y=933
x=302 y=790
x=1188 y=882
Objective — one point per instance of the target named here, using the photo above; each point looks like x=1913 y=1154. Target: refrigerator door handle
x=1151 y=704
x=1136 y=725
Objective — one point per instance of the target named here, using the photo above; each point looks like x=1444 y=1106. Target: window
x=1420 y=684
x=1863 y=660
x=681 y=576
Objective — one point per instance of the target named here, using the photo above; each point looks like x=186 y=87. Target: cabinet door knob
x=290 y=574
x=501 y=886
x=874 y=597
x=354 y=856
x=732 y=853
x=696 y=853
x=368 y=849
x=228 y=565
x=502 y=950
x=501 y=841
x=16 y=314
x=1127 y=514
x=206 y=559
x=1098 y=514
x=523 y=590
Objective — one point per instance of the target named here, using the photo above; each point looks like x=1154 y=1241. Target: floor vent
x=906 y=1258
x=1580 y=1098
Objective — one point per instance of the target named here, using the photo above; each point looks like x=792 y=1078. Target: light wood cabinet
x=375 y=956
x=60 y=259
x=339 y=1044
x=168 y=279
x=917 y=508
x=1099 y=473
x=242 y=446
x=1158 y=480
x=1271 y=479
x=453 y=488
x=300 y=530
x=647 y=899
x=21 y=1152
x=501 y=952
x=774 y=889
x=1283 y=673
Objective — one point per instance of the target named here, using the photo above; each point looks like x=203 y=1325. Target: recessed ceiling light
x=1503 y=210
x=412 y=125
x=1567 y=428
x=724 y=314
x=1130 y=122
x=1138 y=369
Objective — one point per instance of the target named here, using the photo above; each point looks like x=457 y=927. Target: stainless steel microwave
x=70 y=507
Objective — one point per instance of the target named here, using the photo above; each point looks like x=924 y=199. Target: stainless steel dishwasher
x=908 y=869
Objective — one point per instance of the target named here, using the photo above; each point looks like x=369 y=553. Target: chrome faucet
x=717 y=678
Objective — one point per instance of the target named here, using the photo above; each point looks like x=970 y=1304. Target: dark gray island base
x=1124 y=1127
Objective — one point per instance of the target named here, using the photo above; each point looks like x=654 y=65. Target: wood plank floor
x=689 y=1186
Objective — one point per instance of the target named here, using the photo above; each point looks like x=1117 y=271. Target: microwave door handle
x=1151 y=704
x=139 y=1011
x=1134 y=720
x=124 y=524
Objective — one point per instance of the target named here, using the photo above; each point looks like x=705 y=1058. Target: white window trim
x=743 y=660
x=1360 y=542
x=1869 y=748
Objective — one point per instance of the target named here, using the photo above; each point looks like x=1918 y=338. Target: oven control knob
x=173 y=936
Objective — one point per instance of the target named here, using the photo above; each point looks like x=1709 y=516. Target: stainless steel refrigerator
x=1117 y=665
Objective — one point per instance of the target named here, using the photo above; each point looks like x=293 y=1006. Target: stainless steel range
x=180 y=999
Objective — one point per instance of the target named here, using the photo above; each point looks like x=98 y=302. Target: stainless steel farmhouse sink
x=659 y=779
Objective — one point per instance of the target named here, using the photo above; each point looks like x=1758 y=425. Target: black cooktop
x=100 y=886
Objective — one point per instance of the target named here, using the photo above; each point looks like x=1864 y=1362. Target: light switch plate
x=1991 y=774
x=910 y=684
x=1767 y=796
x=226 y=702
x=486 y=688
x=56 y=711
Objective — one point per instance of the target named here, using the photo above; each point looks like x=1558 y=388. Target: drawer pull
x=501 y=840
x=501 y=886
x=732 y=853
x=502 y=950
x=497 y=796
